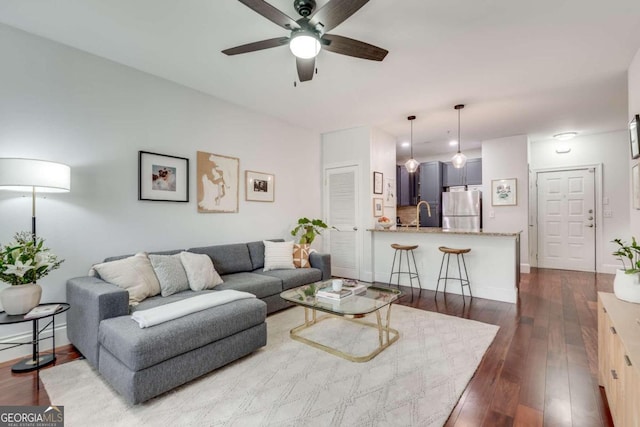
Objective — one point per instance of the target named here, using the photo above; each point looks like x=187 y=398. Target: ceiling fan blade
x=306 y=68
x=271 y=13
x=351 y=47
x=335 y=12
x=252 y=47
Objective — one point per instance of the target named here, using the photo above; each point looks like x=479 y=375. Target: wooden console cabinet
x=619 y=357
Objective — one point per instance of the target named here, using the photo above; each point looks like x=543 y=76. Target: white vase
x=20 y=299
x=627 y=286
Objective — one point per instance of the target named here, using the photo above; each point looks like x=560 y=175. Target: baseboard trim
x=25 y=350
x=609 y=268
x=525 y=268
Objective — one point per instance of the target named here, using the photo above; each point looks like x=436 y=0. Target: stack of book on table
x=42 y=310
x=329 y=293
x=354 y=286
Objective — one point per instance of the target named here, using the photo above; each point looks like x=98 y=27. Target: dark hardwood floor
x=540 y=370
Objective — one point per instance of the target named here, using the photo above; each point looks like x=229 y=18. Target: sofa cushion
x=227 y=259
x=256 y=251
x=135 y=274
x=170 y=273
x=200 y=271
x=259 y=285
x=278 y=256
x=171 y=252
x=294 y=278
x=139 y=348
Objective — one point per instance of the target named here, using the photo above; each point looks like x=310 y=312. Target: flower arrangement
x=630 y=252
x=25 y=260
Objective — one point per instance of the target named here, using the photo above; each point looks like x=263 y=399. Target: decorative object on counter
x=310 y=229
x=162 y=178
x=259 y=186
x=411 y=164
x=635 y=185
x=377 y=182
x=378 y=207
x=459 y=160
x=409 y=250
x=464 y=281
x=389 y=192
x=634 y=133
x=34 y=176
x=626 y=285
x=504 y=192
x=384 y=222
x=22 y=263
x=218 y=183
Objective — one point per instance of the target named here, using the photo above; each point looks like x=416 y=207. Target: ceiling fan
x=309 y=33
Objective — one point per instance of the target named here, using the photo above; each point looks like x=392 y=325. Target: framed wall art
x=504 y=192
x=378 y=207
x=218 y=179
x=635 y=185
x=377 y=182
x=259 y=186
x=162 y=178
x=390 y=192
x=634 y=134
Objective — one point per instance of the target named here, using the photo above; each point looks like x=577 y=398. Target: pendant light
x=411 y=164
x=459 y=160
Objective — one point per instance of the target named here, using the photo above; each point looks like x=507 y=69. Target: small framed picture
x=259 y=186
x=635 y=185
x=390 y=192
x=504 y=192
x=162 y=178
x=378 y=207
x=377 y=182
x=634 y=133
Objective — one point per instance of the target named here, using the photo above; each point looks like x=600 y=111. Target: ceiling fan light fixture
x=304 y=45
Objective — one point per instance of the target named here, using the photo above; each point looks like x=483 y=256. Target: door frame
x=358 y=214
x=533 y=211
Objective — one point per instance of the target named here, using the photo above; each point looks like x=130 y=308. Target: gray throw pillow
x=170 y=273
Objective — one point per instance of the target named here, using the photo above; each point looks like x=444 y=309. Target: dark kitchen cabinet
x=431 y=174
x=470 y=174
x=407 y=185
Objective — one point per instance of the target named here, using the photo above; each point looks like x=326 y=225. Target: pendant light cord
x=459 y=129
x=411 y=138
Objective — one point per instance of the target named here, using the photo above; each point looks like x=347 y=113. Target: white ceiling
x=521 y=67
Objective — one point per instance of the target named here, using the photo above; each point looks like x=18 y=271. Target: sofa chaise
x=141 y=363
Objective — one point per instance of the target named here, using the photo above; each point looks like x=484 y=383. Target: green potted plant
x=22 y=263
x=626 y=285
x=310 y=228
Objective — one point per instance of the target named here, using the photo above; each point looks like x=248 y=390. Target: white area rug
x=415 y=382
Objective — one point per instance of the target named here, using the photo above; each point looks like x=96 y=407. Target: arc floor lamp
x=36 y=176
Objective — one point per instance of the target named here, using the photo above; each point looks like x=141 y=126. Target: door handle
x=590 y=225
x=590 y=218
x=355 y=228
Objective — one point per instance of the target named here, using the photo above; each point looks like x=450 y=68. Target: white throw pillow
x=170 y=273
x=278 y=256
x=200 y=271
x=135 y=274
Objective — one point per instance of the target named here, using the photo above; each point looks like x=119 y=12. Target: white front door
x=341 y=203
x=566 y=219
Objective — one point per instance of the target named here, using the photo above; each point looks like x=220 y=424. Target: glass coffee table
x=352 y=308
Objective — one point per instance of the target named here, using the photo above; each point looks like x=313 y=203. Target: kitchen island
x=493 y=263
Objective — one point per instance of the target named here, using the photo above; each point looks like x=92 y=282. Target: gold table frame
x=386 y=334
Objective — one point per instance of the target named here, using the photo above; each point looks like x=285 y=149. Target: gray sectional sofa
x=143 y=363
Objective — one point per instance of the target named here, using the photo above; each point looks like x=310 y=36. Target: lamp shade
x=25 y=174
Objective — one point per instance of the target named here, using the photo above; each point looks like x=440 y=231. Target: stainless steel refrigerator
x=462 y=210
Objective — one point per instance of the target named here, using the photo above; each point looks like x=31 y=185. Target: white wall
x=501 y=159
x=634 y=108
x=610 y=149
x=61 y=104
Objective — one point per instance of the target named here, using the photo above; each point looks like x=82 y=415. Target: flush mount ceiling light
x=411 y=164
x=459 y=160
x=406 y=144
x=565 y=136
x=304 y=45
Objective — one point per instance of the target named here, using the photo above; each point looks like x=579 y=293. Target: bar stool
x=446 y=253
x=408 y=249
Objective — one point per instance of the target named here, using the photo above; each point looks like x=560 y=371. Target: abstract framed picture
x=259 y=186
x=377 y=182
x=162 y=178
x=635 y=185
x=378 y=207
x=390 y=192
x=634 y=134
x=504 y=192
x=218 y=183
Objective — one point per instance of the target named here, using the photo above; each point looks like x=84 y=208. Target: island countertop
x=438 y=230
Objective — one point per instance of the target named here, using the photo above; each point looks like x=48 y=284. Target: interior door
x=566 y=219
x=342 y=212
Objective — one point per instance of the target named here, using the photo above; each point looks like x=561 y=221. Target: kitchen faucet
x=418 y=212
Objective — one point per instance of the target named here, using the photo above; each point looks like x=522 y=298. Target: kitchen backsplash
x=407 y=214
